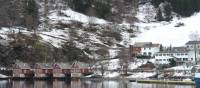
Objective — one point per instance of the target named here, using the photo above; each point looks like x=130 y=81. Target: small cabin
x=61 y=69
x=22 y=70
x=147 y=67
x=80 y=68
x=43 y=70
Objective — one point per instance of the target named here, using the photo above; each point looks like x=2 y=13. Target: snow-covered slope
x=69 y=15
x=177 y=32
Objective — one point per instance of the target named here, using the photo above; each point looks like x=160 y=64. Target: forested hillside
x=182 y=7
x=68 y=30
x=64 y=30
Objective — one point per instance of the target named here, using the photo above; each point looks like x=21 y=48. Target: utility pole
x=195 y=52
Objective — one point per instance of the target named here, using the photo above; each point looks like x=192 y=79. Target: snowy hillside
x=176 y=32
x=69 y=15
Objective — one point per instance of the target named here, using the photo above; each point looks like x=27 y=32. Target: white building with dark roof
x=193 y=51
x=179 y=54
x=146 y=48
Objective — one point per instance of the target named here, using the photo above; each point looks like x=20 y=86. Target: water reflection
x=84 y=84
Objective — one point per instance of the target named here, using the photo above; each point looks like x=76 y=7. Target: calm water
x=84 y=84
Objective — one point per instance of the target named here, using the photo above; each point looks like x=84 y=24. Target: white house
x=147 y=48
x=179 y=54
x=193 y=51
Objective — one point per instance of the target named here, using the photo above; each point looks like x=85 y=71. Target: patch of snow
x=113 y=53
x=113 y=64
x=3 y=76
x=59 y=34
x=72 y=15
x=112 y=74
x=136 y=64
x=181 y=68
x=142 y=75
x=166 y=33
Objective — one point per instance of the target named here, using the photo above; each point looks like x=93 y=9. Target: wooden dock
x=167 y=82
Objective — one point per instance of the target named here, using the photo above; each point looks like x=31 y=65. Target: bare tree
x=124 y=56
x=46 y=11
x=103 y=54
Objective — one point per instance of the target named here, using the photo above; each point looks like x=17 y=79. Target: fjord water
x=84 y=84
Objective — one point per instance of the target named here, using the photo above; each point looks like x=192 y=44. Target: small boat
x=132 y=80
x=197 y=76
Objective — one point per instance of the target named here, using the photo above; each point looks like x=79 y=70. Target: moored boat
x=197 y=76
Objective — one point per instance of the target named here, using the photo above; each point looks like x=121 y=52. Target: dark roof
x=22 y=66
x=78 y=64
x=192 y=42
x=145 y=44
x=62 y=65
x=43 y=65
x=175 y=50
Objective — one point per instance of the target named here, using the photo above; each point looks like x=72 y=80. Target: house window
x=171 y=54
x=149 y=53
x=182 y=53
x=186 y=54
x=168 y=54
x=160 y=54
x=188 y=46
x=164 y=54
x=149 y=48
x=185 y=59
x=191 y=58
x=144 y=53
x=178 y=54
x=157 y=59
x=144 y=48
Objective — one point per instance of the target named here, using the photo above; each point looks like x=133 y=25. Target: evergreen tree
x=182 y=7
x=31 y=17
x=161 y=48
x=159 y=16
x=168 y=11
x=172 y=62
